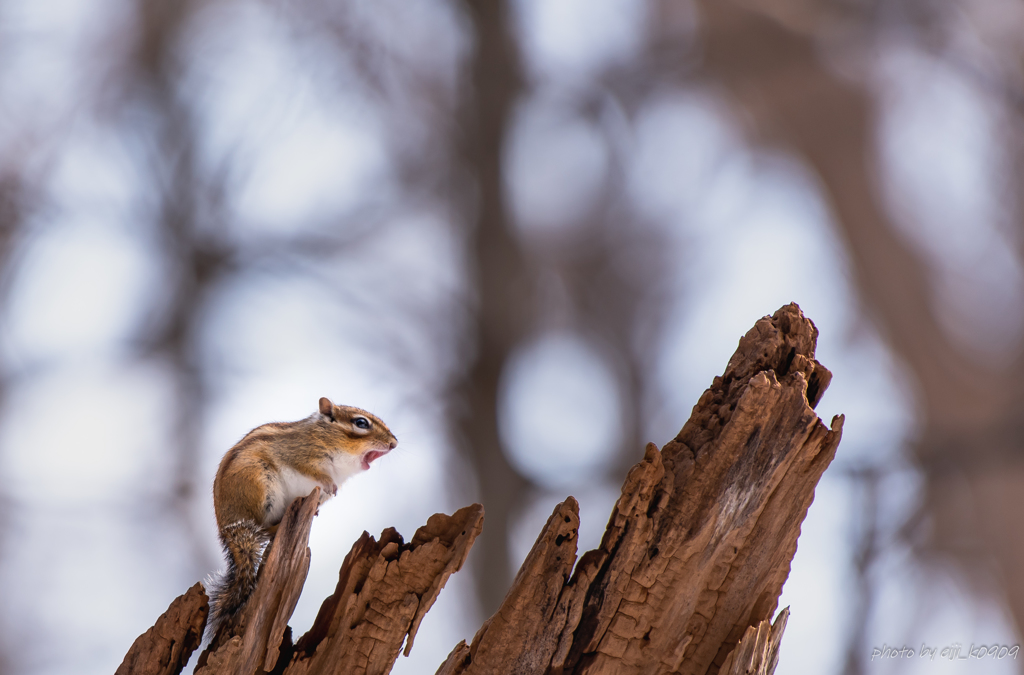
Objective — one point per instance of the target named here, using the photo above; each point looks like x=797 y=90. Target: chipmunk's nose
x=392 y=445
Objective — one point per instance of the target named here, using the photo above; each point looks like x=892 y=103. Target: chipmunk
x=272 y=465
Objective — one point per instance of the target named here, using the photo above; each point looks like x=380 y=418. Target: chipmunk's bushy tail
x=243 y=542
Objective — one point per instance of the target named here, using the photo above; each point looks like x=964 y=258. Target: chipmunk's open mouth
x=370 y=456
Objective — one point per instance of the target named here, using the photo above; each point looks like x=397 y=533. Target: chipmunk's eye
x=361 y=422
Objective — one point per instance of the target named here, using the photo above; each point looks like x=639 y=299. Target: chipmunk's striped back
x=270 y=467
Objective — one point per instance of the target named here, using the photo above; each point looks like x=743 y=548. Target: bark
x=757 y=652
x=384 y=590
x=260 y=631
x=686 y=579
x=165 y=648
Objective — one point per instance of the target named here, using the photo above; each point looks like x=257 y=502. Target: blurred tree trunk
x=686 y=580
x=13 y=220
x=614 y=275
x=504 y=292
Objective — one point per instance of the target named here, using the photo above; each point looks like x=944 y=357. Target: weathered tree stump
x=686 y=579
x=165 y=648
x=698 y=545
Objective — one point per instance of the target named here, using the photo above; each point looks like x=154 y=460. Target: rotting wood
x=532 y=605
x=685 y=580
x=165 y=648
x=700 y=541
x=757 y=652
x=384 y=589
x=261 y=628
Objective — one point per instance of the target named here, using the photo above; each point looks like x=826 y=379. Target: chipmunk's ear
x=327 y=408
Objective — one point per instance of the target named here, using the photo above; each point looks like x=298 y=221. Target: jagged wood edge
x=757 y=652
x=166 y=647
x=384 y=590
x=264 y=618
x=700 y=541
x=415 y=571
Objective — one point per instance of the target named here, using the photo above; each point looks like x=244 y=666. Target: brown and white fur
x=265 y=471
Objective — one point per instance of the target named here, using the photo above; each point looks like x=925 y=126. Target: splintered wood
x=384 y=590
x=757 y=652
x=261 y=628
x=700 y=541
x=165 y=648
x=686 y=579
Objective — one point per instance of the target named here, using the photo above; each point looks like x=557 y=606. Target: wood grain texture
x=700 y=541
x=384 y=589
x=258 y=635
x=757 y=652
x=165 y=648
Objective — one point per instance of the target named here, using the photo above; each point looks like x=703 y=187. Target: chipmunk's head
x=361 y=434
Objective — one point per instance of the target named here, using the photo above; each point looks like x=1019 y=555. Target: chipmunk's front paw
x=328 y=491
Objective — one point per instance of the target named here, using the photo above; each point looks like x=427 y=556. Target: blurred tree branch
x=191 y=231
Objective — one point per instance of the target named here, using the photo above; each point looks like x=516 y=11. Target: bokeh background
x=526 y=234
